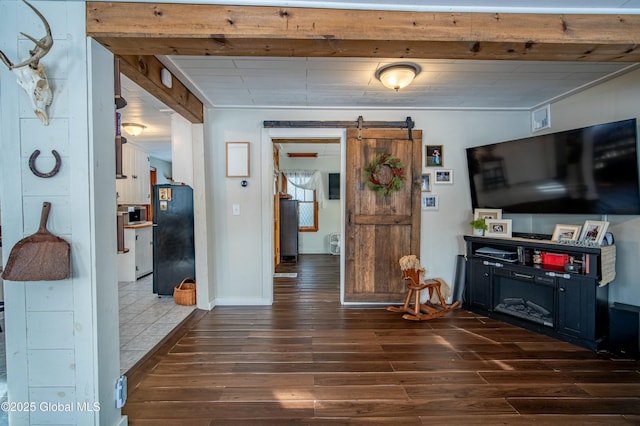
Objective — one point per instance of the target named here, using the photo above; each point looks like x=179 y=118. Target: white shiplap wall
x=54 y=355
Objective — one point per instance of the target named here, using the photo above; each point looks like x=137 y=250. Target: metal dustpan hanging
x=39 y=257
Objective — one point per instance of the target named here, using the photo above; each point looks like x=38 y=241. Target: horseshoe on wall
x=35 y=171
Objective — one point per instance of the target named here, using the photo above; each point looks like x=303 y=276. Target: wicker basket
x=185 y=292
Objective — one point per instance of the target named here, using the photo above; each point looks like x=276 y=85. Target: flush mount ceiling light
x=397 y=76
x=134 y=129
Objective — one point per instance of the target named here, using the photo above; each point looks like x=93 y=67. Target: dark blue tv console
x=570 y=306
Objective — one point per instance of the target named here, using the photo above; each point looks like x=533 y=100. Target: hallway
x=308 y=360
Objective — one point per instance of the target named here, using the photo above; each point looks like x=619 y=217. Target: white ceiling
x=230 y=82
x=323 y=150
x=349 y=83
x=145 y=109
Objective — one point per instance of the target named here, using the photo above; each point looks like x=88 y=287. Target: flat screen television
x=334 y=186
x=592 y=170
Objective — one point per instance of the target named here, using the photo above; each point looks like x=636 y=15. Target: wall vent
x=541 y=118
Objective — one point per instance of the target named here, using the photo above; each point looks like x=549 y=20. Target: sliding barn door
x=380 y=229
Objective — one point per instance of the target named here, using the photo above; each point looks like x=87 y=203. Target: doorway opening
x=318 y=220
x=145 y=317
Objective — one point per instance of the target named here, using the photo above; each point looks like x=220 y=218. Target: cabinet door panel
x=135 y=188
x=576 y=301
x=144 y=177
x=480 y=290
x=142 y=190
x=144 y=251
x=123 y=186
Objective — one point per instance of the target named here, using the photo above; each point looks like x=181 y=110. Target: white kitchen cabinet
x=135 y=187
x=138 y=260
x=144 y=251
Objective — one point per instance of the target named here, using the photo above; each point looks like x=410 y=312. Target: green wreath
x=397 y=174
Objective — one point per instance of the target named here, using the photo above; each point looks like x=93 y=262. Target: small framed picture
x=238 y=159
x=164 y=194
x=566 y=233
x=487 y=214
x=593 y=231
x=498 y=228
x=426 y=182
x=429 y=201
x=433 y=156
x=444 y=176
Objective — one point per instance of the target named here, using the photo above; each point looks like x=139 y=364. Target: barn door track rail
x=358 y=124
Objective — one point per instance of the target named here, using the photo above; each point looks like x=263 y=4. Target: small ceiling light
x=134 y=129
x=397 y=76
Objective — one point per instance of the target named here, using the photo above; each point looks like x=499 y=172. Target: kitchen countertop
x=139 y=225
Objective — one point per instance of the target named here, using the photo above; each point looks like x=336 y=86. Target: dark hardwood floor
x=309 y=360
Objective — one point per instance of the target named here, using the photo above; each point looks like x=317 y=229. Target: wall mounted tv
x=592 y=170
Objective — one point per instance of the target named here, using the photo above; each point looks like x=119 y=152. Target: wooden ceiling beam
x=302 y=154
x=387 y=49
x=145 y=71
x=205 y=29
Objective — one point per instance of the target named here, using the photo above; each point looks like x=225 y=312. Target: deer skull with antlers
x=30 y=72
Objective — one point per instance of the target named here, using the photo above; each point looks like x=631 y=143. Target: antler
x=41 y=48
x=31 y=73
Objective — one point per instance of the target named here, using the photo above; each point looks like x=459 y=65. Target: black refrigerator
x=288 y=230
x=173 y=237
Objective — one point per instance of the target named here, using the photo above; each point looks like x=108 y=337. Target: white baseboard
x=238 y=301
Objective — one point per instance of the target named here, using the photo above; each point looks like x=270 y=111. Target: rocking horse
x=435 y=307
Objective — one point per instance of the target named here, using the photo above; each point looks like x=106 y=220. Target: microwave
x=133 y=214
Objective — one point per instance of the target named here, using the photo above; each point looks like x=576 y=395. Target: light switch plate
x=236 y=209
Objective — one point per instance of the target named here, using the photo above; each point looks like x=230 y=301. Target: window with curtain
x=306 y=187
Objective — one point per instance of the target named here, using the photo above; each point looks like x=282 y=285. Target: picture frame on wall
x=487 y=214
x=566 y=233
x=237 y=159
x=433 y=156
x=426 y=182
x=593 y=231
x=500 y=228
x=429 y=201
x=444 y=176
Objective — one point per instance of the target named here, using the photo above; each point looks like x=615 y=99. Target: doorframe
x=267 y=136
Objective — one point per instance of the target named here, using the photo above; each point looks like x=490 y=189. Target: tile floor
x=145 y=319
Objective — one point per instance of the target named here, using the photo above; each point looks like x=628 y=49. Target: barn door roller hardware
x=358 y=124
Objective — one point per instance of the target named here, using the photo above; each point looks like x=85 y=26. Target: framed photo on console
x=566 y=233
x=500 y=228
x=487 y=214
x=593 y=231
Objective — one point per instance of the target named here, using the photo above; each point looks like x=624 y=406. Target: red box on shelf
x=555 y=259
